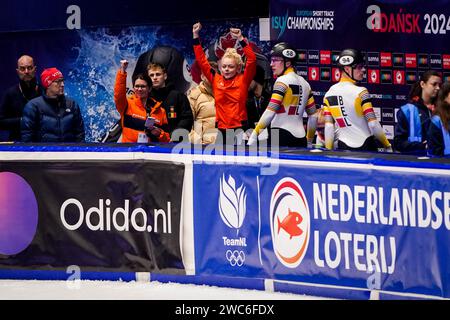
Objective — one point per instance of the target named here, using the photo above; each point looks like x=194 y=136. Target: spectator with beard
x=16 y=97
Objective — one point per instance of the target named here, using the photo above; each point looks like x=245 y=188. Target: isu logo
x=289 y=222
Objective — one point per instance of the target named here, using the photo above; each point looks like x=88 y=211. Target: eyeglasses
x=27 y=68
x=58 y=81
x=276 y=60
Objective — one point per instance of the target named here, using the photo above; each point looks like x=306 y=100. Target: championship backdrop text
x=400 y=40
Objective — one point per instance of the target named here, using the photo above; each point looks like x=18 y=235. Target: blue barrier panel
x=343 y=225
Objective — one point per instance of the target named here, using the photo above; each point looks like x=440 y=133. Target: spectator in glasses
x=291 y=97
x=52 y=117
x=143 y=119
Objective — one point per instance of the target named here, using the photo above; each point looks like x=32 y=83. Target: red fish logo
x=289 y=222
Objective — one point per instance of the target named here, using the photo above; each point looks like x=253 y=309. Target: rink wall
x=346 y=225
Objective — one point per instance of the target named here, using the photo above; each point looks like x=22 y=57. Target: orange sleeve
x=250 y=65
x=120 y=92
x=202 y=61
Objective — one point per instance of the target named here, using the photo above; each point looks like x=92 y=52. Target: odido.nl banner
x=101 y=216
x=400 y=40
x=355 y=227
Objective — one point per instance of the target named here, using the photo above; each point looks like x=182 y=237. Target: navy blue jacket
x=52 y=120
x=402 y=131
x=11 y=107
x=438 y=144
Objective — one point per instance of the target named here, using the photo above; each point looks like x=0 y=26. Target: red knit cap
x=49 y=75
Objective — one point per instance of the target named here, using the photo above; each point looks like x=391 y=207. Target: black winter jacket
x=11 y=107
x=52 y=120
x=177 y=106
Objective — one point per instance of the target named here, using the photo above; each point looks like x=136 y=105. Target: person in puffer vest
x=53 y=117
x=203 y=107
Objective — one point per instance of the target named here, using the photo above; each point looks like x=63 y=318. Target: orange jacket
x=230 y=94
x=133 y=113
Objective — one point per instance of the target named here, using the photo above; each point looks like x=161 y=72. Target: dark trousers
x=369 y=145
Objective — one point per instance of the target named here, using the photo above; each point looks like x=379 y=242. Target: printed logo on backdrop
x=397 y=60
x=325 y=57
x=411 y=60
x=387 y=115
x=334 y=57
x=386 y=76
x=321 y=20
x=302 y=56
x=373 y=76
x=18 y=213
x=279 y=23
x=325 y=74
x=336 y=74
x=289 y=222
x=422 y=61
x=302 y=71
x=389 y=131
x=313 y=57
x=232 y=209
x=313 y=73
x=399 y=77
x=446 y=61
x=373 y=59
x=435 y=61
x=411 y=77
x=385 y=59
x=446 y=77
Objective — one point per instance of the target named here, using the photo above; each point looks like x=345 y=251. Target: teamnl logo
x=232 y=208
x=280 y=23
x=289 y=222
x=104 y=218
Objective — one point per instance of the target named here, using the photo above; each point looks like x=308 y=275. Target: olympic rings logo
x=235 y=257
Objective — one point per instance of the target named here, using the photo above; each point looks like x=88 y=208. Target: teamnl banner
x=400 y=39
x=360 y=228
x=119 y=216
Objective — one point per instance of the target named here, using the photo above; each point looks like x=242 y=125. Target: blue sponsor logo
x=279 y=23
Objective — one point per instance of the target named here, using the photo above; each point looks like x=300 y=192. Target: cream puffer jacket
x=204 y=111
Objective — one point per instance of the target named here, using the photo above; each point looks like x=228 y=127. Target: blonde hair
x=233 y=54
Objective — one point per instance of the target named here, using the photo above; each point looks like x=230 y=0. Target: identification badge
x=142 y=137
